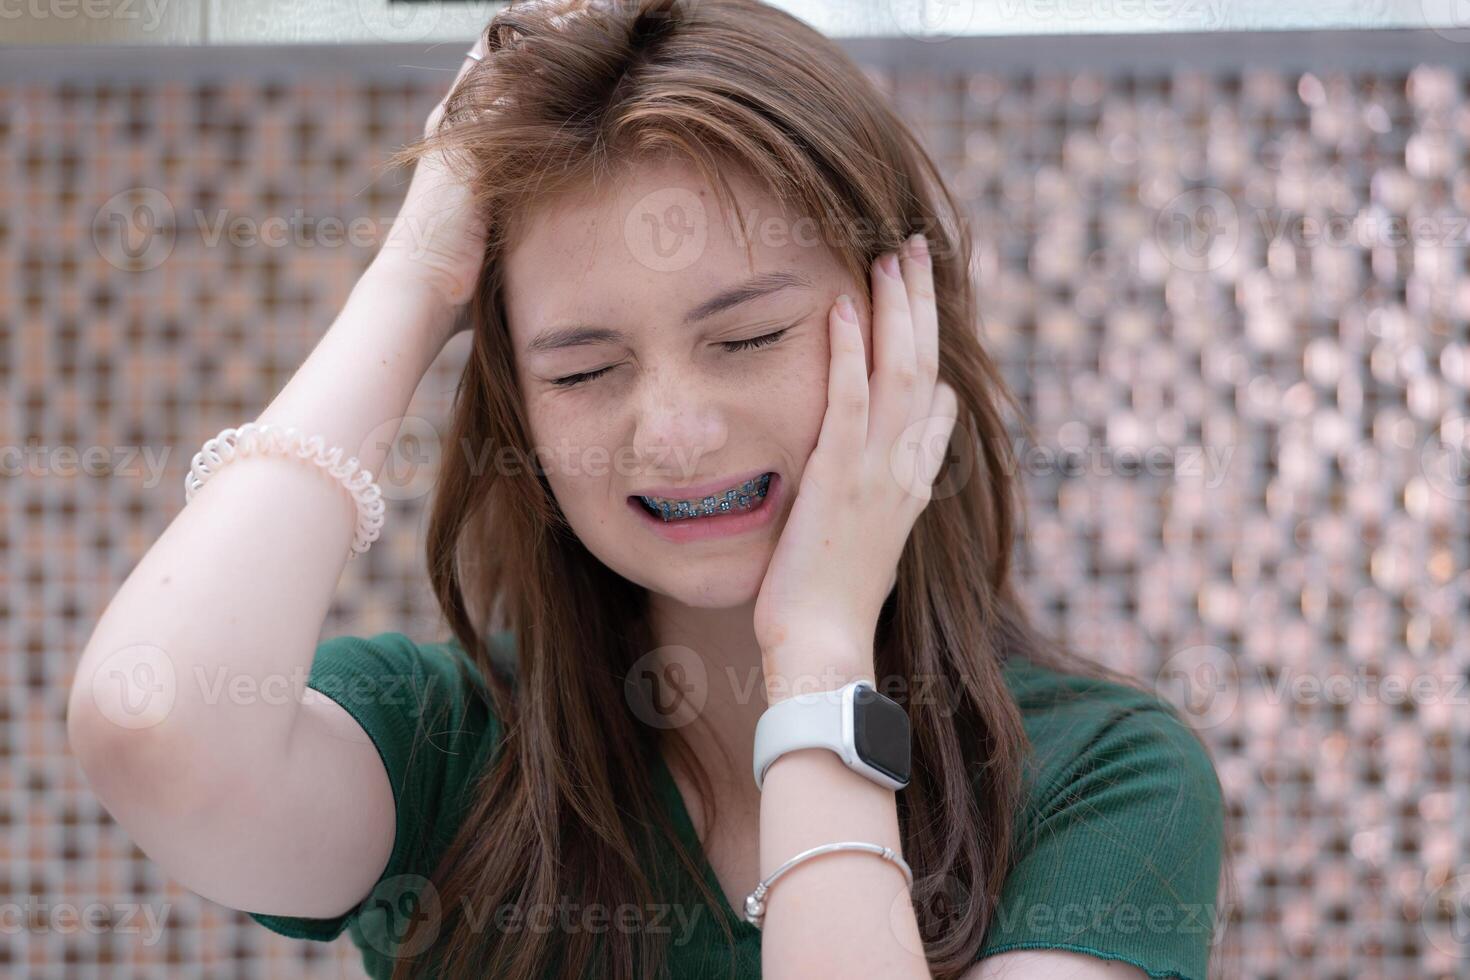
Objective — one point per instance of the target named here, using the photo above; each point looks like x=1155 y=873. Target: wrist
x=811 y=662
x=392 y=275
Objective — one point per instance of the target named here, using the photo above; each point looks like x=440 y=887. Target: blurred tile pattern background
x=1234 y=302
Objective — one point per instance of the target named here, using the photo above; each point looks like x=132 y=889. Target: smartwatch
x=868 y=730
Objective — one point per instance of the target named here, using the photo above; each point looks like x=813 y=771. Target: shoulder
x=1119 y=844
x=393 y=684
x=418 y=700
x=387 y=655
x=1085 y=729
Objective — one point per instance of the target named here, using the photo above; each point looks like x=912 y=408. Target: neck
x=710 y=660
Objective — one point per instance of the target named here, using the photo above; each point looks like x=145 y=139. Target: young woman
x=649 y=215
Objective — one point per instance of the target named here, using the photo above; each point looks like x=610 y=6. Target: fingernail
x=919 y=246
x=845 y=308
x=889 y=263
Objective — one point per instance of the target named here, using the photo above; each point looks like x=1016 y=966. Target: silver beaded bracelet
x=755 y=902
x=263 y=439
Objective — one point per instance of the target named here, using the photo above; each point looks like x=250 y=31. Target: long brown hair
x=569 y=92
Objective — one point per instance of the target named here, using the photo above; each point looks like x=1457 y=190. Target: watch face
x=881 y=732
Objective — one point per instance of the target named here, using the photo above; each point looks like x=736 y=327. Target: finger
x=920 y=280
x=939 y=427
x=466 y=65
x=436 y=114
x=845 y=424
x=472 y=58
x=894 y=376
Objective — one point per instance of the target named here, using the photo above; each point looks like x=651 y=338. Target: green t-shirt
x=1119 y=841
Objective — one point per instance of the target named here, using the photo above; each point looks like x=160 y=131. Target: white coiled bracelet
x=255 y=438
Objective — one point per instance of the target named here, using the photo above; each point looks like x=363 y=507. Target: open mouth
x=739 y=499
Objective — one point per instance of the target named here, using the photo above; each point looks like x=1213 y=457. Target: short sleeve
x=418 y=705
x=1119 y=856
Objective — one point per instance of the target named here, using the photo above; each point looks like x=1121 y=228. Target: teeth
x=742 y=497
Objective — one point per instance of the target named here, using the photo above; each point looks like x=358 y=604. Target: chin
x=718 y=593
x=713 y=584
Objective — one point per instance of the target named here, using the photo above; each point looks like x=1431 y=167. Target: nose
x=679 y=421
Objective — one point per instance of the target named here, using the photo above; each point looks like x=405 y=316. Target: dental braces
x=740 y=497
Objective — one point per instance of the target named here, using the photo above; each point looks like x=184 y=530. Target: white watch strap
x=812 y=720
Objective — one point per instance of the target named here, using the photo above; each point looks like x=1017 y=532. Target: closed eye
x=733 y=346
x=572 y=380
x=765 y=340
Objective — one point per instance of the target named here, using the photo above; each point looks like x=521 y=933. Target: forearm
x=842 y=914
x=230 y=599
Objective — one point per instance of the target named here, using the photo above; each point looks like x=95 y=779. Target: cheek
x=572 y=448
x=800 y=399
x=569 y=421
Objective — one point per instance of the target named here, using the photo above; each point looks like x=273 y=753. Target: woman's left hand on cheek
x=882 y=442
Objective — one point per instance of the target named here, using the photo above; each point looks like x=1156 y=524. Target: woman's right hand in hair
x=437 y=240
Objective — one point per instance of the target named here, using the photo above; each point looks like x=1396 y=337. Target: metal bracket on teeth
x=736 y=497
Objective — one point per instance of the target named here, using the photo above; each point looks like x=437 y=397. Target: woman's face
x=659 y=276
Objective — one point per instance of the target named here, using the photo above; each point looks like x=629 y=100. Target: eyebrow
x=751 y=289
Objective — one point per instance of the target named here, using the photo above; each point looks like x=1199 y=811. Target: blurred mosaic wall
x=1234 y=303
